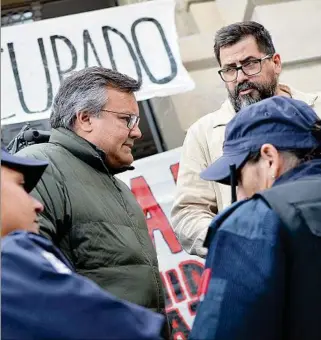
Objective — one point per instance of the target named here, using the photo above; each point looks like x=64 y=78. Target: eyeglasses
x=131 y=119
x=249 y=68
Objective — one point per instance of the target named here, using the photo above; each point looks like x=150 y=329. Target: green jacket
x=95 y=220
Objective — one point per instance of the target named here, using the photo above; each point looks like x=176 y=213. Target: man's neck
x=283 y=90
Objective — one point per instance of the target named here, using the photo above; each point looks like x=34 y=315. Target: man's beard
x=263 y=91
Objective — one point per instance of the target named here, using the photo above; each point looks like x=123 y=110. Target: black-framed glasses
x=249 y=68
x=131 y=119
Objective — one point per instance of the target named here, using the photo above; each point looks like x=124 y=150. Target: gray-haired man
x=88 y=213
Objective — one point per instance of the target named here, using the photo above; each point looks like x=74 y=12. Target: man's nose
x=38 y=206
x=135 y=133
x=241 y=77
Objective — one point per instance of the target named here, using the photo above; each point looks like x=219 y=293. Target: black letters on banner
x=179 y=325
x=168 y=300
x=192 y=272
x=87 y=41
x=175 y=285
x=15 y=71
x=180 y=288
x=135 y=53
x=168 y=50
x=192 y=306
x=105 y=30
x=73 y=51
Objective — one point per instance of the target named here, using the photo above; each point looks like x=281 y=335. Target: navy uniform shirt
x=246 y=268
x=42 y=298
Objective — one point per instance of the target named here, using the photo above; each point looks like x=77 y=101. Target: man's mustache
x=245 y=86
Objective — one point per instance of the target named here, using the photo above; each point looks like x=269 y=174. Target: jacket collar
x=308 y=98
x=84 y=150
x=229 y=112
x=310 y=168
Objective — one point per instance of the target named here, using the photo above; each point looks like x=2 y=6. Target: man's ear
x=277 y=63
x=84 y=121
x=273 y=159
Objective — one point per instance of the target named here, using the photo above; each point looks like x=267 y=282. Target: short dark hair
x=85 y=90
x=231 y=34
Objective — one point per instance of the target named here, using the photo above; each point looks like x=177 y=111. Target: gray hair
x=85 y=91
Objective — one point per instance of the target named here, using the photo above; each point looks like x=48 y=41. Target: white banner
x=153 y=183
x=139 y=40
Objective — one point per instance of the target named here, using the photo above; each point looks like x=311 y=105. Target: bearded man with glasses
x=88 y=213
x=242 y=95
x=250 y=68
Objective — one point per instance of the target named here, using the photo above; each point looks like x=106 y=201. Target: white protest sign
x=139 y=40
x=153 y=184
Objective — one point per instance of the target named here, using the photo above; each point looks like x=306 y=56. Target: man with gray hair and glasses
x=250 y=68
x=89 y=214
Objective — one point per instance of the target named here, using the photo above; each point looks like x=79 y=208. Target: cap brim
x=32 y=169
x=219 y=171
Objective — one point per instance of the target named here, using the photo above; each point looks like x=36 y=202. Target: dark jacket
x=251 y=277
x=95 y=220
x=42 y=298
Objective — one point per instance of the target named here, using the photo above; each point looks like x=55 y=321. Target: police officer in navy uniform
x=41 y=296
x=262 y=278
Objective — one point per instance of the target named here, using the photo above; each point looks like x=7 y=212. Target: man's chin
x=130 y=160
x=34 y=228
x=126 y=160
x=248 y=100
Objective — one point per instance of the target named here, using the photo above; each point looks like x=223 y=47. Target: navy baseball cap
x=283 y=122
x=32 y=169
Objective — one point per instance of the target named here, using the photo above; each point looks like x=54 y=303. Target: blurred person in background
x=262 y=275
x=41 y=296
x=250 y=68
